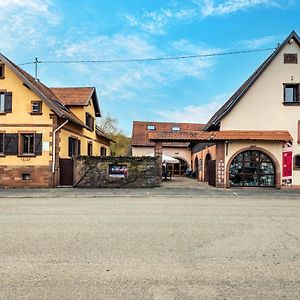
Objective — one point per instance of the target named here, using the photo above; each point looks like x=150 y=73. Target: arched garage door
x=252 y=168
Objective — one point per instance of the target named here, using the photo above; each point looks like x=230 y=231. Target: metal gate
x=212 y=172
x=66 y=168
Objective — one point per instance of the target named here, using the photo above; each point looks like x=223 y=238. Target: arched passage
x=178 y=169
x=253 y=167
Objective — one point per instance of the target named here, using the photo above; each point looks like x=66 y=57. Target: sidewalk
x=177 y=187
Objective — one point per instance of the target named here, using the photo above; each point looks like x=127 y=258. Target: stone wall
x=117 y=172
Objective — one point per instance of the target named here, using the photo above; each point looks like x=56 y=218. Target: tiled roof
x=214 y=121
x=73 y=95
x=140 y=132
x=280 y=135
x=43 y=91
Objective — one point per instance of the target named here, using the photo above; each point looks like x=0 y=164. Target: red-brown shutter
x=11 y=144
x=8 y=102
x=38 y=144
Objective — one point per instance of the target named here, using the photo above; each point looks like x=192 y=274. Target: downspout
x=54 y=144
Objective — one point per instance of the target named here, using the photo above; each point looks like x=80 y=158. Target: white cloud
x=155 y=22
x=128 y=80
x=209 y=8
x=25 y=23
x=259 y=42
x=194 y=113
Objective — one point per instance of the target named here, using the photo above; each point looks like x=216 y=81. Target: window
x=27 y=143
x=89 y=149
x=2 y=68
x=74 y=147
x=103 y=151
x=290 y=58
x=297 y=162
x=291 y=93
x=30 y=144
x=5 y=103
x=36 y=107
x=151 y=127
x=89 y=121
x=25 y=176
x=1 y=143
x=175 y=128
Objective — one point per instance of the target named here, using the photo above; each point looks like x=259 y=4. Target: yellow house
x=42 y=129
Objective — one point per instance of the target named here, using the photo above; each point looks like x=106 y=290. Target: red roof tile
x=140 y=132
x=189 y=136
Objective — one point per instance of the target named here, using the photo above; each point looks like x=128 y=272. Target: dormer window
x=151 y=127
x=2 y=68
x=175 y=128
x=36 y=107
x=291 y=93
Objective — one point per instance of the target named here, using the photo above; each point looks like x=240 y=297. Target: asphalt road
x=149 y=248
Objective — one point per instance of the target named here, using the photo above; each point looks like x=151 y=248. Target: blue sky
x=183 y=90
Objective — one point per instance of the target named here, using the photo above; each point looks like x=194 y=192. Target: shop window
x=297 y=162
x=103 y=151
x=5 y=103
x=151 y=127
x=290 y=58
x=89 y=149
x=291 y=93
x=36 y=107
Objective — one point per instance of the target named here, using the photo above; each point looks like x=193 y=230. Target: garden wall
x=117 y=172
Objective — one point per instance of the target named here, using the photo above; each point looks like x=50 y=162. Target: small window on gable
x=36 y=107
x=290 y=58
x=175 y=128
x=291 y=93
x=297 y=162
x=2 y=68
x=151 y=127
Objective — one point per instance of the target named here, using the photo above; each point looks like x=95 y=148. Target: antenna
x=36 y=68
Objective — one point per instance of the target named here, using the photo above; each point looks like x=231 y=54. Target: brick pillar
x=158 y=151
x=220 y=164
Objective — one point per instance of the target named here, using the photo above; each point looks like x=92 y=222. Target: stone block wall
x=95 y=172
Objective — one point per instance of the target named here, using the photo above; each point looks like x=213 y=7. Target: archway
x=252 y=168
x=178 y=169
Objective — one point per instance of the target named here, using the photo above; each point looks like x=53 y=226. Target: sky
x=186 y=90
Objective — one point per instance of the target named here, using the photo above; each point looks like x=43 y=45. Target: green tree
x=122 y=145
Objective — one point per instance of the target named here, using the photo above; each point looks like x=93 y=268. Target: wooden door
x=212 y=172
x=66 y=166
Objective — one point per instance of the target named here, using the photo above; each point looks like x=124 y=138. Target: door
x=212 y=172
x=66 y=166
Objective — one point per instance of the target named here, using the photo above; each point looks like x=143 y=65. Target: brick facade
x=16 y=176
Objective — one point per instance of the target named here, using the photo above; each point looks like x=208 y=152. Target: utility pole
x=36 y=68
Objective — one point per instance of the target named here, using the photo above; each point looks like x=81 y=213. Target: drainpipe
x=53 y=145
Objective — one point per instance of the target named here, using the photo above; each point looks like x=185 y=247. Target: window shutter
x=70 y=148
x=38 y=144
x=11 y=144
x=78 y=147
x=8 y=102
